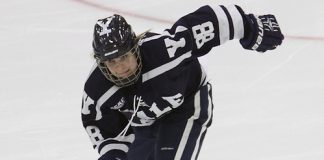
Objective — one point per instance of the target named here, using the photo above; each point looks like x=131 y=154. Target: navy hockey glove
x=262 y=33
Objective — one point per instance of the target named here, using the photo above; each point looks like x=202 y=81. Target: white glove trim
x=260 y=34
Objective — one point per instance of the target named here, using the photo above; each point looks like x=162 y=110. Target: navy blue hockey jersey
x=171 y=75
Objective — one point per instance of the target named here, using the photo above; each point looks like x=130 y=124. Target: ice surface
x=267 y=106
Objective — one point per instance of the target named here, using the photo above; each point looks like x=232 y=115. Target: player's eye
x=111 y=62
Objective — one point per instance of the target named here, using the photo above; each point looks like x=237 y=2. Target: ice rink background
x=267 y=106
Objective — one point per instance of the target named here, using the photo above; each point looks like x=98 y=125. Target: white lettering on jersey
x=203 y=33
x=175 y=100
x=87 y=101
x=95 y=135
x=173 y=45
x=157 y=111
x=144 y=119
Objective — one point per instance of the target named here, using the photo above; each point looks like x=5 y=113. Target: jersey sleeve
x=205 y=28
x=102 y=124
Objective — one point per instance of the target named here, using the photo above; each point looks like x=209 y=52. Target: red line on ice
x=159 y=20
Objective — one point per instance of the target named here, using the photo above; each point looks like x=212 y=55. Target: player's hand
x=263 y=33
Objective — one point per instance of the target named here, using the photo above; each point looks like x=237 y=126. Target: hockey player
x=147 y=97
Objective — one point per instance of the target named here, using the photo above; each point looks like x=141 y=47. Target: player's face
x=122 y=66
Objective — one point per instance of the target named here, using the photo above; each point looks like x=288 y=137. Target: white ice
x=267 y=106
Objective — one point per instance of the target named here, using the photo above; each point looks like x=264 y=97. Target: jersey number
x=203 y=33
x=95 y=135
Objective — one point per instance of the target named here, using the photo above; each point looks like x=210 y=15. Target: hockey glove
x=262 y=33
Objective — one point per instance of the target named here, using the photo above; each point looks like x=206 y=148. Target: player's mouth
x=124 y=74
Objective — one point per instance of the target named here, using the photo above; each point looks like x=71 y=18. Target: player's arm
x=103 y=128
x=211 y=26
